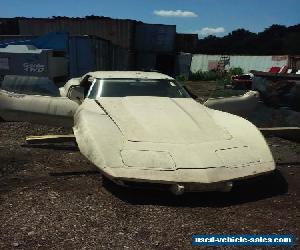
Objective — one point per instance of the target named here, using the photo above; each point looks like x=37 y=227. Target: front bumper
x=180 y=188
x=188 y=180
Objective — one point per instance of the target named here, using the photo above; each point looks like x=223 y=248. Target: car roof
x=129 y=74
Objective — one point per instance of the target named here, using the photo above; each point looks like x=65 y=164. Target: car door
x=19 y=101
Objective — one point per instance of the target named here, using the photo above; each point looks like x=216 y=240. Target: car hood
x=162 y=120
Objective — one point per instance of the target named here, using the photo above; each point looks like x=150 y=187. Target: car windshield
x=136 y=87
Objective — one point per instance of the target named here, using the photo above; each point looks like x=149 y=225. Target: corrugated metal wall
x=84 y=53
x=121 y=59
x=124 y=33
x=119 y=32
x=9 y=26
x=247 y=63
x=146 y=61
x=155 y=38
x=91 y=54
x=80 y=56
x=183 y=64
x=186 y=43
x=130 y=37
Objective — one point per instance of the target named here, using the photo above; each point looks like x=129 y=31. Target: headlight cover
x=145 y=159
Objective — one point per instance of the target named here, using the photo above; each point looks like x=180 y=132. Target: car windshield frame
x=96 y=89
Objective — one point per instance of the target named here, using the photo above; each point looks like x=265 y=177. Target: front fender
x=98 y=138
x=244 y=131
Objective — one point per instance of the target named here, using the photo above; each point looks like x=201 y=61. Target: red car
x=242 y=81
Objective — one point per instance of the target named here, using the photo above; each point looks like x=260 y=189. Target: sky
x=204 y=17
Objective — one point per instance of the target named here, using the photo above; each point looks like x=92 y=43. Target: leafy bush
x=231 y=72
x=235 y=71
x=213 y=75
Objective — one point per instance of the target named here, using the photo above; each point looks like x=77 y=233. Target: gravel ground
x=53 y=198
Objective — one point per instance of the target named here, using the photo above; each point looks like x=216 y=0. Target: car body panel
x=99 y=139
x=128 y=75
x=56 y=111
x=160 y=119
x=237 y=105
x=203 y=160
x=72 y=82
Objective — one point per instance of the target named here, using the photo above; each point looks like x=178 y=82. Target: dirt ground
x=51 y=197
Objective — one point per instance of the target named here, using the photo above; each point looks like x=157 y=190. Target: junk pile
x=278 y=90
x=273 y=103
x=282 y=122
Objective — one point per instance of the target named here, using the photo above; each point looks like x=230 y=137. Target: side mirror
x=76 y=93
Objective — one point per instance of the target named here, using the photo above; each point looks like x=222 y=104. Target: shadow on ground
x=61 y=146
x=244 y=191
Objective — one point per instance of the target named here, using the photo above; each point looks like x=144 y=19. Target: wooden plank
x=50 y=139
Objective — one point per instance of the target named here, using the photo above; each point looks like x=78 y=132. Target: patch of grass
x=212 y=84
x=205 y=76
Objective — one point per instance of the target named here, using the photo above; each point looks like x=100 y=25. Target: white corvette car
x=143 y=127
